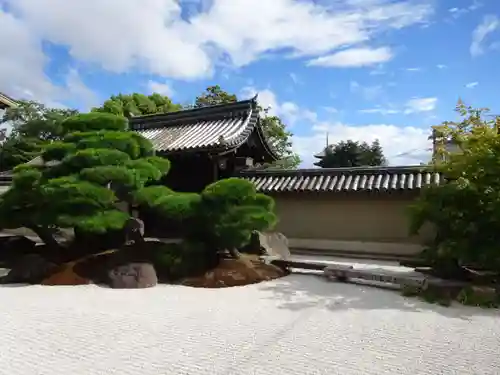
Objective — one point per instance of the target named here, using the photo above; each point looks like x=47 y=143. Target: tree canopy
x=33 y=125
x=98 y=166
x=95 y=166
x=138 y=104
x=465 y=210
x=352 y=154
x=274 y=128
x=214 y=95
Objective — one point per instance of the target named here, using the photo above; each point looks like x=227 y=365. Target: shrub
x=466 y=210
x=176 y=261
x=228 y=211
x=98 y=166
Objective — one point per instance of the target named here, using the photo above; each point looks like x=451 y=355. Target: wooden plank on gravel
x=340 y=272
x=316 y=266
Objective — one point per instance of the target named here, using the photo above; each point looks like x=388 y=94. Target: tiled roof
x=6 y=101
x=367 y=179
x=215 y=128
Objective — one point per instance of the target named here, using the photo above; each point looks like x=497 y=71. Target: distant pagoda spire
x=320 y=155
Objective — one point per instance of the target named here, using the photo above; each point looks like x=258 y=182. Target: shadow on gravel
x=303 y=291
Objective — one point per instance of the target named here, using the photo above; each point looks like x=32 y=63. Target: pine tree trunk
x=47 y=237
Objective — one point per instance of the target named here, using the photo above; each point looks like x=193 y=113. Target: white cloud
x=77 y=89
x=381 y=111
x=441 y=66
x=288 y=111
x=458 y=12
x=367 y=92
x=22 y=64
x=417 y=105
x=489 y=24
x=402 y=145
x=471 y=85
x=153 y=37
x=354 y=57
x=295 y=78
x=22 y=61
x=413 y=69
x=162 y=88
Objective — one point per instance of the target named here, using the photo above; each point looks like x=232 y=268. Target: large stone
x=273 y=244
x=132 y=275
x=236 y=272
x=31 y=269
x=13 y=248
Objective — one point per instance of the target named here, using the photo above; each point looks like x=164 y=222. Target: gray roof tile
x=215 y=128
x=367 y=179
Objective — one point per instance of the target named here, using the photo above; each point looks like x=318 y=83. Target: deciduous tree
x=33 y=125
x=352 y=154
x=465 y=210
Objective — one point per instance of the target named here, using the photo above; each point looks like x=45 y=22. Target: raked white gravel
x=300 y=324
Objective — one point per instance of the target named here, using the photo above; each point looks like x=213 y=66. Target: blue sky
x=359 y=69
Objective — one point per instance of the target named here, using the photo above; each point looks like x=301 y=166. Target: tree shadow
x=304 y=290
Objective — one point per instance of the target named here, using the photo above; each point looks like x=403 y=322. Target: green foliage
x=214 y=95
x=105 y=174
x=352 y=154
x=222 y=217
x=23 y=204
x=465 y=212
x=117 y=140
x=228 y=212
x=88 y=122
x=479 y=297
x=99 y=167
x=16 y=150
x=150 y=195
x=33 y=126
x=137 y=104
x=274 y=129
x=174 y=206
x=175 y=261
x=281 y=140
x=180 y=206
x=57 y=150
x=34 y=120
x=162 y=164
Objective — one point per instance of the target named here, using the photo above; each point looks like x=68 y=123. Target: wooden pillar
x=215 y=167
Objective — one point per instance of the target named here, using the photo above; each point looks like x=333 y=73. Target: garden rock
x=66 y=275
x=272 y=244
x=31 y=269
x=236 y=272
x=15 y=247
x=132 y=275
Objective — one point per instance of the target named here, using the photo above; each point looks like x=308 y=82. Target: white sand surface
x=300 y=324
